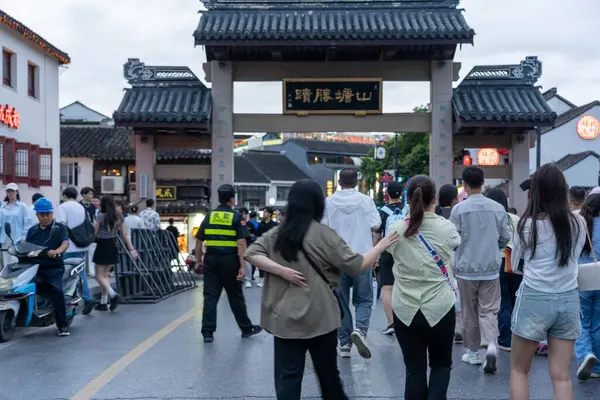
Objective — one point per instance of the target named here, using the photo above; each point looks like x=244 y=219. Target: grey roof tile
x=245 y=172
x=570 y=160
x=275 y=166
x=503 y=93
x=165 y=104
x=108 y=143
x=350 y=24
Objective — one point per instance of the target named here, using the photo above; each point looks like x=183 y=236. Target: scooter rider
x=51 y=269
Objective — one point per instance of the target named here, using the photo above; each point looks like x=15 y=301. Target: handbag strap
x=436 y=258
x=592 y=251
x=317 y=269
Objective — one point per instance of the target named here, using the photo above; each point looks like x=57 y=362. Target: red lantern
x=467 y=160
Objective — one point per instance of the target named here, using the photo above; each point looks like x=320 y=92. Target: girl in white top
x=549 y=238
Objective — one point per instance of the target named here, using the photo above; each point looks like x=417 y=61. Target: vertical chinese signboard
x=332 y=96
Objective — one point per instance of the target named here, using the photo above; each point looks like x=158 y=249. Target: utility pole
x=538 y=147
x=396 y=165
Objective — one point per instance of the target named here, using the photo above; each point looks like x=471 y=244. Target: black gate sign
x=332 y=96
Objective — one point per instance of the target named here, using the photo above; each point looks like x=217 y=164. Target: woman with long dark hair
x=424 y=292
x=509 y=282
x=108 y=224
x=587 y=346
x=549 y=238
x=303 y=260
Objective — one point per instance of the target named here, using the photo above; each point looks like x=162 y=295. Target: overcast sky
x=100 y=35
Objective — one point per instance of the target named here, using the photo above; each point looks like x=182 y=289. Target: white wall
x=85 y=176
x=39 y=117
x=563 y=140
x=558 y=105
x=272 y=193
x=79 y=112
x=584 y=173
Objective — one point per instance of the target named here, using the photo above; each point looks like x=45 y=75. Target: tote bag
x=589 y=274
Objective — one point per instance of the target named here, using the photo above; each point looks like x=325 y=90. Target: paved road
x=151 y=352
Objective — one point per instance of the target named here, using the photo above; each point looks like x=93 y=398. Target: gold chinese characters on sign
x=332 y=96
x=166 y=193
x=588 y=127
x=488 y=157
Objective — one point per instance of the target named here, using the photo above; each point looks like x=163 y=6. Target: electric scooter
x=22 y=304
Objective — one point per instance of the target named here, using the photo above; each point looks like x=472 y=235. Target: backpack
x=83 y=235
x=393 y=216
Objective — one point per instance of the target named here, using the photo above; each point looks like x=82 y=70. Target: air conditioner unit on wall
x=113 y=185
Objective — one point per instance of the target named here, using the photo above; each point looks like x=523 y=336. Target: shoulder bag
x=588 y=277
x=83 y=235
x=322 y=275
x=436 y=258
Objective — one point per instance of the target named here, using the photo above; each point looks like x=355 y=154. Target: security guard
x=224 y=265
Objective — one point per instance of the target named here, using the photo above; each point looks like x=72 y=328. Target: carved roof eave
x=526 y=73
x=325 y=4
x=139 y=74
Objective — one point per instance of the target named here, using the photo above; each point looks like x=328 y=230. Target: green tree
x=413 y=155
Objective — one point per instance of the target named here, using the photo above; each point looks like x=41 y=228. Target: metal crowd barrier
x=159 y=271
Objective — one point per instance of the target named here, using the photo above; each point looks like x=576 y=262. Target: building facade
x=29 y=112
x=573 y=142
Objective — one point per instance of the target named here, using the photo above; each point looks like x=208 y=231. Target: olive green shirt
x=293 y=312
x=419 y=283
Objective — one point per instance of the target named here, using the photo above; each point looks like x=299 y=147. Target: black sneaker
x=101 y=307
x=64 y=331
x=254 y=331
x=389 y=330
x=209 y=339
x=458 y=338
x=114 y=302
x=88 y=306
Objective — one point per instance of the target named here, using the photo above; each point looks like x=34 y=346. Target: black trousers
x=415 y=341
x=220 y=272
x=50 y=283
x=290 y=356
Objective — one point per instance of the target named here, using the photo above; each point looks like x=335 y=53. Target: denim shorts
x=538 y=315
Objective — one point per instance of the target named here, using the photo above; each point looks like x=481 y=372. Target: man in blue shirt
x=55 y=237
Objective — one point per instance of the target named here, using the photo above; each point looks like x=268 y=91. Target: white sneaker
x=248 y=284
x=361 y=344
x=587 y=366
x=491 y=355
x=471 y=357
x=594 y=375
x=261 y=282
x=344 y=351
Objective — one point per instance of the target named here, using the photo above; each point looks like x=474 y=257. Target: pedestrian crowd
x=454 y=268
x=88 y=229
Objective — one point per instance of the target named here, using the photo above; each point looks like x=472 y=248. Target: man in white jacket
x=354 y=217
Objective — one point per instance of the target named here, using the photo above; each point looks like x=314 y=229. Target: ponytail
x=417 y=212
x=421 y=194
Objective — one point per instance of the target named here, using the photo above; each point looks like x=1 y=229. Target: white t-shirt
x=72 y=214
x=542 y=273
x=133 y=222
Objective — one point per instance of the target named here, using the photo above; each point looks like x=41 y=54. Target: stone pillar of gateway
x=496 y=111
x=332 y=57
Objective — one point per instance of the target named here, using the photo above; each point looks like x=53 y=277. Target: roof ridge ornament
x=525 y=73
x=138 y=74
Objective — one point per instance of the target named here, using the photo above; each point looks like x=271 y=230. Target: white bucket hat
x=12 y=186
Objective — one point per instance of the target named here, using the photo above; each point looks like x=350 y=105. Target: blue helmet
x=43 y=205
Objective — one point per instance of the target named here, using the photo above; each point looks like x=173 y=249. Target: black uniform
x=220 y=230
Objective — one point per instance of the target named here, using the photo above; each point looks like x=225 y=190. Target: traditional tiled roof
x=503 y=94
x=275 y=166
x=571 y=115
x=549 y=94
x=571 y=160
x=245 y=172
x=365 y=20
x=47 y=47
x=163 y=95
x=108 y=143
x=334 y=147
